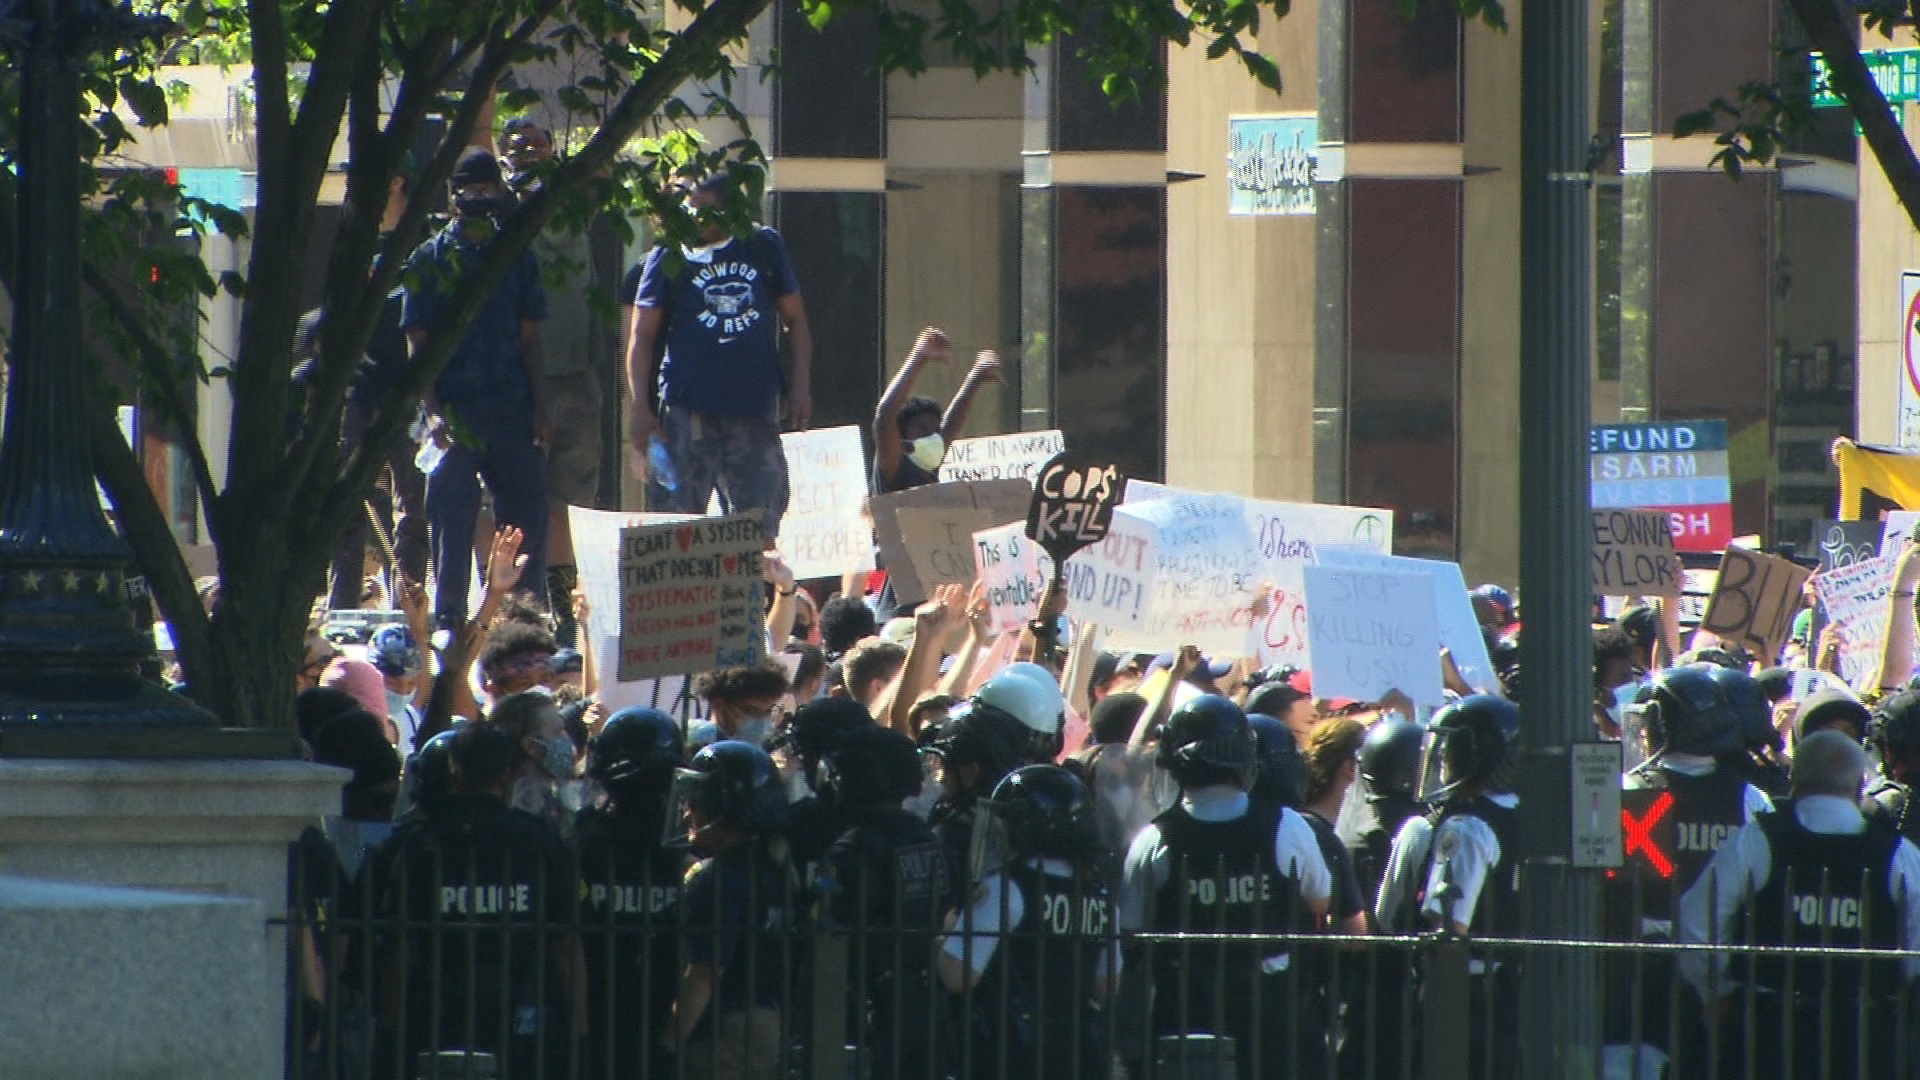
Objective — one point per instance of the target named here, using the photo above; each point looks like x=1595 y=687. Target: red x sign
x=1640 y=833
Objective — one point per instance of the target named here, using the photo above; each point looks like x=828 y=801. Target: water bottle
x=660 y=465
x=429 y=456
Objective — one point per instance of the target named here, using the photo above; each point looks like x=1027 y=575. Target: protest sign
x=1373 y=631
x=1073 y=502
x=826 y=532
x=1108 y=584
x=1855 y=598
x=1754 y=601
x=1459 y=628
x=939 y=541
x=596 y=549
x=1287 y=537
x=1013 y=573
x=690 y=596
x=1679 y=469
x=1001 y=457
x=1633 y=554
x=1206 y=571
x=1899 y=526
x=1007 y=499
x=1843 y=543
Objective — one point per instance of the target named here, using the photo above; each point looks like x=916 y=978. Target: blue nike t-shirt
x=723 y=345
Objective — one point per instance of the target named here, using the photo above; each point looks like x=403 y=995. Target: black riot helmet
x=818 y=726
x=432 y=769
x=1896 y=728
x=984 y=737
x=1749 y=709
x=1037 y=811
x=1207 y=741
x=1389 y=759
x=727 y=783
x=877 y=765
x=1469 y=746
x=1279 y=773
x=1689 y=714
x=635 y=754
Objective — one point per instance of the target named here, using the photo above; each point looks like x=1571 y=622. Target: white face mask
x=927 y=451
x=755 y=729
x=397 y=705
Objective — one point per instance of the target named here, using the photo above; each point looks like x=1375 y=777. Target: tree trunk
x=1832 y=34
x=266 y=601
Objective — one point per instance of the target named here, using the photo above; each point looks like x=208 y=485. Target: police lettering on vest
x=633 y=899
x=486 y=899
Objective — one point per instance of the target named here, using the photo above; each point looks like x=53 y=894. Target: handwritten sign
x=1073 y=502
x=1013 y=572
x=826 y=532
x=1633 y=554
x=939 y=540
x=1109 y=583
x=1373 y=631
x=1000 y=457
x=1453 y=607
x=1900 y=524
x=689 y=596
x=1206 y=571
x=1754 y=601
x=1840 y=544
x=596 y=550
x=1855 y=598
x=1007 y=499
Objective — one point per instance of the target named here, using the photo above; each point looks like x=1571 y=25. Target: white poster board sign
x=1374 y=631
x=1013 y=571
x=1856 y=599
x=1206 y=574
x=1459 y=630
x=1001 y=457
x=596 y=550
x=826 y=531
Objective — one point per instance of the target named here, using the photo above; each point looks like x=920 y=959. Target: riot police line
x=714 y=915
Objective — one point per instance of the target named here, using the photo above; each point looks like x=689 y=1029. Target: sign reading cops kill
x=1271 y=164
x=1677 y=468
x=689 y=596
x=1073 y=501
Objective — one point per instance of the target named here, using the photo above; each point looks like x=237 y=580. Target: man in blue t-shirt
x=487 y=408
x=720 y=308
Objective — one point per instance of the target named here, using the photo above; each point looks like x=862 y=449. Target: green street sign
x=1895 y=71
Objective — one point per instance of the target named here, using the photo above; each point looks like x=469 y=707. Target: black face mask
x=476 y=205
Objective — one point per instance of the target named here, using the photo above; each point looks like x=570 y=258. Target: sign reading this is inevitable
x=689 y=596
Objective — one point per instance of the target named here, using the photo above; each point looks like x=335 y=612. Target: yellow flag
x=1875 y=479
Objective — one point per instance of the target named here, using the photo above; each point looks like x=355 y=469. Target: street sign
x=1896 y=71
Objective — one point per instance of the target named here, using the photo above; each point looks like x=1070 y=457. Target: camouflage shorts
x=738 y=456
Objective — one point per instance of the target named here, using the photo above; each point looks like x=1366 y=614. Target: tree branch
x=1832 y=35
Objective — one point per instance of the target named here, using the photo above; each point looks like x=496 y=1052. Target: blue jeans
x=515 y=471
x=740 y=456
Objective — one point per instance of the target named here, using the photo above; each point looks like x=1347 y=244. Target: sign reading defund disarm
x=689 y=596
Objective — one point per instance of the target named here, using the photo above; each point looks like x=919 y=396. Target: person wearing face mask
x=741 y=702
x=487 y=409
x=546 y=754
x=910 y=433
x=395 y=654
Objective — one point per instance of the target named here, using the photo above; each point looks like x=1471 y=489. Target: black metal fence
x=524 y=962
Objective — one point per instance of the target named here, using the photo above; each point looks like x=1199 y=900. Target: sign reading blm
x=1073 y=501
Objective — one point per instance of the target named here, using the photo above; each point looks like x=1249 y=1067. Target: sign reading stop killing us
x=1073 y=501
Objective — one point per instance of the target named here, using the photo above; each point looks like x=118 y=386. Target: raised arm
x=986 y=369
x=929 y=348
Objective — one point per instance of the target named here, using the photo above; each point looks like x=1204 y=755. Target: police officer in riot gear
x=1219 y=862
x=1033 y=958
x=1814 y=872
x=1758 y=758
x=730 y=806
x=1455 y=869
x=977 y=747
x=482 y=884
x=814 y=822
x=1678 y=807
x=884 y=879
x=1896 y=737
x=1279 y=773
x=632 y=885
x=1389 y=775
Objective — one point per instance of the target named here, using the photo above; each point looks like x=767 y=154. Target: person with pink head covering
x=364 y=682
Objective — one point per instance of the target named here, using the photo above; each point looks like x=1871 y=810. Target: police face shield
x=694 y=803
x=1634 y=736
x=992 y=845
x=1444 y=758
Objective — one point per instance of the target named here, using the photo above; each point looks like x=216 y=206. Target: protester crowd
x=1041 y=857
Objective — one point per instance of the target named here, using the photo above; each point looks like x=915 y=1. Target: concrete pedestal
x=171 y=951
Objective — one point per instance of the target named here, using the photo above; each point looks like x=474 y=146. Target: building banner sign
x=1677 y=468
x=1271 y=164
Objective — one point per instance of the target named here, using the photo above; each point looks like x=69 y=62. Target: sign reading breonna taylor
x=1271 y=163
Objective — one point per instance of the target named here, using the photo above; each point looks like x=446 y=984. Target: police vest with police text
x=630 y=892
x=1497 y=911
x=1672 y=825
x=1828 y=890
x=1051 y=960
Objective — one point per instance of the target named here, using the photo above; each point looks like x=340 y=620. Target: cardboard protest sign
x=1754 y=601
x=1373 y=631
x=689 y=596
x=1843 y=543
x=1007 y=499
x=596 y=549
x=1013 y=572
x=1855 y=598
x=1073 y=501
x=1000 y=457
x=1453 y=607
x=1206 y=572
x=826 y=532
x=1633 y=554
x=939 y=541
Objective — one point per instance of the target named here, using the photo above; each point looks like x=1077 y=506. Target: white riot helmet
x=1048 y=682
x=1037 y=707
